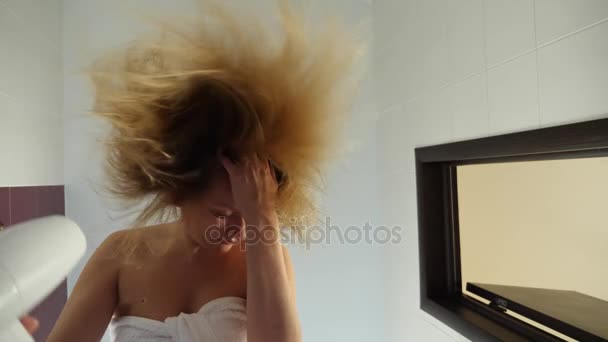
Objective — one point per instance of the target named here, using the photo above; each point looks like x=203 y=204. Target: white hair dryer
x=35 y=256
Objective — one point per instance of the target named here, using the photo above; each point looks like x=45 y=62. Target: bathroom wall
x=340 y=287
x=31 y=129
x=443 y=70
x=448 y=70
x=18 y=204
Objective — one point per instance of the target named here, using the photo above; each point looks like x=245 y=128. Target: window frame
x=438 y=238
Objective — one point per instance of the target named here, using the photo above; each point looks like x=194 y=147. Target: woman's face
x=210 y=218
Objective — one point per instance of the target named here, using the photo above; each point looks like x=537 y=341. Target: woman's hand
x=271 y=305
x=254 y=189
x=30 y=324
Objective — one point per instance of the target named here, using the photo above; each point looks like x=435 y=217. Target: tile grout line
x=37 y=201
x=538 y=114
x=573 y=33
x=496 y=65
x=485 y=66
x=447 y=94
x=510 y=59
x=10 y=209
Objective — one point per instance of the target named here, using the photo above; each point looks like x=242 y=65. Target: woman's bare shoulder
x=135 y=243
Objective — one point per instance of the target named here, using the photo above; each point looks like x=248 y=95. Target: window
x=513 y=234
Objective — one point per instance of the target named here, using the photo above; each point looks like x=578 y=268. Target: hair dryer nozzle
x=35 y=256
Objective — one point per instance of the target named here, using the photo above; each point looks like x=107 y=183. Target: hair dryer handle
x=15 y=332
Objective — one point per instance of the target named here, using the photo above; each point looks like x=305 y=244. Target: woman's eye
x=221 y=214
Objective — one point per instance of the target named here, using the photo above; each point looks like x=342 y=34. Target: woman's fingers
x=30 y=324
x=253 y=184
x=272 y=170
x=228 y=164
x=247 y=162
x=251 y=167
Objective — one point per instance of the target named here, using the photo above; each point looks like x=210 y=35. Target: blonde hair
x=224 y=82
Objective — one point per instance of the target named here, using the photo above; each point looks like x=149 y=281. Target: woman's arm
x=271 y=303
x=89 y=309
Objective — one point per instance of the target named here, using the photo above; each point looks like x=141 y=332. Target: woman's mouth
x=232 y=234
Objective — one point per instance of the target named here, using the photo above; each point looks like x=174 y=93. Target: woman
x=224 y=126
x=196 y=271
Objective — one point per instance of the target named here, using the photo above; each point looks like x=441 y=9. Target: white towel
x=221 y=320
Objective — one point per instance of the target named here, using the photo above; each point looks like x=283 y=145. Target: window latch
x=499 y=304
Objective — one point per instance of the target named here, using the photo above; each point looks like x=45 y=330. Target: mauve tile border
x=18 y=204
x=5 y=206
x=24 y=203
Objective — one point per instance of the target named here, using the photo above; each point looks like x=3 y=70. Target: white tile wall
x=433 y=44
x=574 y=77
x=513 y=95
x=435 y=118
x=558 y=18
x=486 y=75
x=509 y=29
x=31 y=90
x=31 y=146
x=396 y=136
x=399 y=20
x=404 y=37
x=466 y=38
x=469 y=106
x=400 y=85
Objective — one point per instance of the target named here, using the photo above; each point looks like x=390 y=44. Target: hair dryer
x=35 y=256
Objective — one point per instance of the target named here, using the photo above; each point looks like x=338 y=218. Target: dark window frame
x=439 y=248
